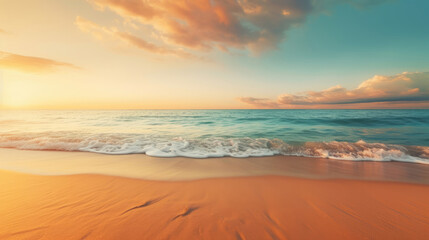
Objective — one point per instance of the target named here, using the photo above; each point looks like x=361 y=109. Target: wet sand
x=320 y=205
x=179 y=169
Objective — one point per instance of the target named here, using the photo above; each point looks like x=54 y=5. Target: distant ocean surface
x=378 y=135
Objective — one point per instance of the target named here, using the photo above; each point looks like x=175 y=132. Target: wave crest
x=212 y=147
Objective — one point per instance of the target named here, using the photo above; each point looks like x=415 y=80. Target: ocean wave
x=361 y=121
x=211 y=146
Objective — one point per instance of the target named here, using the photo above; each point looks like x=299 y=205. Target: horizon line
x=169 y=109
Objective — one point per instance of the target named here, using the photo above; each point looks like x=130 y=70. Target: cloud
x=4 y=32
x=260 y=102
x=30 y=64
x=258 y=25
x=101 y=33
x=401 y=88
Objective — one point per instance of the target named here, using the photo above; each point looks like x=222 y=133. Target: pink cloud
x=399 y=89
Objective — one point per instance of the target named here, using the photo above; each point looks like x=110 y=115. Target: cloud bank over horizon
x=204 y=25
x=397 y=89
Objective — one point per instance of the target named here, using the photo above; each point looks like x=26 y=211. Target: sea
x=356 y=135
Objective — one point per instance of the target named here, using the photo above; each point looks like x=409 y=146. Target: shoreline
x=141 y=166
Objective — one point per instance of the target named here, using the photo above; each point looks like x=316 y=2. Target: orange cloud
x=194 y=24
x=260 y=102
x=31 y=64
x=258 y=25
x=399 y=89
x=101 y=32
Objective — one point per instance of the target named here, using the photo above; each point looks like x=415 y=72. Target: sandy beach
x=214 y=120
x=256 y=206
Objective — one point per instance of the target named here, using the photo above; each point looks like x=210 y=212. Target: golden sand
x=260 y=207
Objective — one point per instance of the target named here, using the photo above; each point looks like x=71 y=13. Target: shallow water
x=379 y=135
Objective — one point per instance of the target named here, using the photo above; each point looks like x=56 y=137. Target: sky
x=214 y=54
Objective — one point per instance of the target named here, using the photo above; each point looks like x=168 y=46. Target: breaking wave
x=211 y=146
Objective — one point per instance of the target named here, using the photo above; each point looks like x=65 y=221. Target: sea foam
x=212 y=147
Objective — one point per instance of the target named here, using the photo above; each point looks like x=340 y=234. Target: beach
x=214 y=120
x=313 y=200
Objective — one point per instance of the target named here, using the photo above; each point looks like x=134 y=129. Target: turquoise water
x=345 y=134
